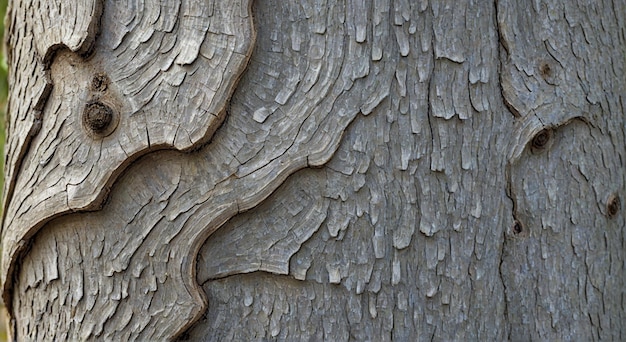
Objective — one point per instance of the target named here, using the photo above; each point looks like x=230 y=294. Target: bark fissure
x=502 y=280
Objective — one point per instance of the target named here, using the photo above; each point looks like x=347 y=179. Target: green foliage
x=4 y=89
x=3 y=63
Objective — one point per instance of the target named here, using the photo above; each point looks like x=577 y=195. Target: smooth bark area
x=336 y=170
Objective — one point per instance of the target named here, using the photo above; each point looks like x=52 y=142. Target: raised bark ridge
x=32 y=42
x=291 y=111
x=163 y=71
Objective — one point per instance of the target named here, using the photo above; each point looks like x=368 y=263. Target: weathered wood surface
x=164 y=70
x=408 y=170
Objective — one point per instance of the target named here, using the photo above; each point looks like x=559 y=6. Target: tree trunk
x=316 y=170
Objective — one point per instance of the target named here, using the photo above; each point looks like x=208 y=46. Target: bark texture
x=406 y=170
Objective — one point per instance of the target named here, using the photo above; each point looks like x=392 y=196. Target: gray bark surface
x=316 y=170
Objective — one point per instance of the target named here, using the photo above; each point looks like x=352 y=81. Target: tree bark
x=319 y=170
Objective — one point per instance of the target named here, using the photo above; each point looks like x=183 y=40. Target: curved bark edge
x=85 y=48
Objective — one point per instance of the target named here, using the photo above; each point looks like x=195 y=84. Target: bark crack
x=503 y=53
x=501 y=275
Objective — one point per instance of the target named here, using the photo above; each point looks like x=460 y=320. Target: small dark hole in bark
x=540 y=141
x=546 y=70
x=97 y=116
x=613 y=206
x=99 y=82
x=517 y=227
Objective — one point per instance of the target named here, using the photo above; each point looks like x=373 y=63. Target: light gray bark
x=339 y=170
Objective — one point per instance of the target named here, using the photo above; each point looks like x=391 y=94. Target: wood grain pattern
x=406 y=170
x=147 y=57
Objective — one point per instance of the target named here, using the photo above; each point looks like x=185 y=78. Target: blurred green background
x=3 y=106
x=3 y=88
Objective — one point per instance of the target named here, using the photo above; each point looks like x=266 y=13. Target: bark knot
x=541 y=140
x=545 y=70
x=517 y=227
x=613 y=205
x=98 y=118
x=100 y=82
